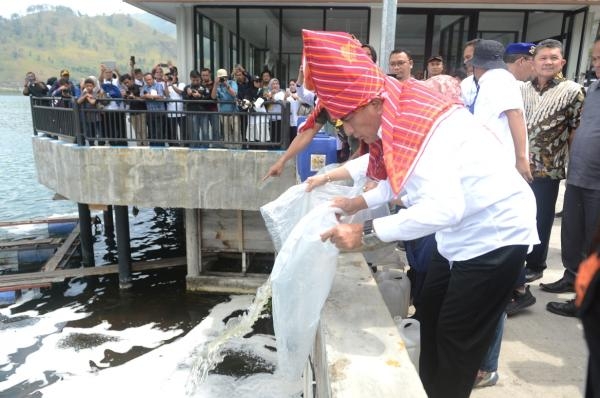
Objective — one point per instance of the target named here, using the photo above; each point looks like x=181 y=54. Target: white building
x=259 y=34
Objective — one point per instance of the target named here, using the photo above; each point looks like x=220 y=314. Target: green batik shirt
x=552 y=114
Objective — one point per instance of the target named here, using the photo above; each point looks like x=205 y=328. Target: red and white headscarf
x=345 y=78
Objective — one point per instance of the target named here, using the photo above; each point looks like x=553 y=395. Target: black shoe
x=520 y=301
x=564 y=309
x=531 y=275
x=560 y=286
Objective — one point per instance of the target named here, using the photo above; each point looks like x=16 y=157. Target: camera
x=132 y=60
x=222 y=79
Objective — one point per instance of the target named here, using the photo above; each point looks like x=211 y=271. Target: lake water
x=85 y=337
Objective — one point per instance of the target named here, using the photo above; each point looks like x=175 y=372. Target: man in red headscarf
x=483 y=213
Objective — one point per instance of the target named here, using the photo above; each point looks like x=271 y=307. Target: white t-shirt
x=498 y=92
x=175 y=106
x=460 y=190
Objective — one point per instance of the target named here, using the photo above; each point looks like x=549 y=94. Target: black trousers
x=581 y=215
x=460 y=309
x=546 y=193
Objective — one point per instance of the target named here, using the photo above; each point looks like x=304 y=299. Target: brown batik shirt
x=552 y=114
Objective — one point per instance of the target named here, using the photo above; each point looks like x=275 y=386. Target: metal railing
x=167 y=123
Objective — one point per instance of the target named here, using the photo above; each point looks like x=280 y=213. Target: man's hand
x=275 y=170
x=524 y=169
x=349 y=205
x=344 y=236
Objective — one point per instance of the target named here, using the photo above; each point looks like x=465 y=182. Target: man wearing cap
x=552 y=110
x=483 y=213
x=65 y=74
x=581 y=206
x=435 y=66
x=498 y=103
x=225 y=92
x=518 y=58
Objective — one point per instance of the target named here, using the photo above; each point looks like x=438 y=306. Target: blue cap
x=520 y=48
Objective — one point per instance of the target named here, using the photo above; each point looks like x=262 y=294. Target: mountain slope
x=50 y=40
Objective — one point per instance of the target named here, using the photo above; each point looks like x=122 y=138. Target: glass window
x=354 y=21
x=411 y=36
x=293 y=21
x=505 y=27
x=218 y=26
x=260 y=29
x=453 y=34
x=544 y=25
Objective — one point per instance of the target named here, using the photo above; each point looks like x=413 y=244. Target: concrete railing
x=358 y=351
x=190 y=178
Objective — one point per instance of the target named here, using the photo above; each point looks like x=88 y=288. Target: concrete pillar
x=193 y=246
x=85 y=235
x=184 y=21
x=109 y=224
x=123 y=246
x=388 y=31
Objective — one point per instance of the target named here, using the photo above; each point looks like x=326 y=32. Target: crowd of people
x=228 y=106
x=474 y=157
x=477 y=172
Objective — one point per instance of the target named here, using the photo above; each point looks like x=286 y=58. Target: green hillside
x=47 y=41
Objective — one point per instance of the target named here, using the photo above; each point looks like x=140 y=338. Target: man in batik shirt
x=552 y=109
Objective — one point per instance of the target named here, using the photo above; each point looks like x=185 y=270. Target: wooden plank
x=53 y=262
x=16 y=280
x=30 y=244
x=41 y=221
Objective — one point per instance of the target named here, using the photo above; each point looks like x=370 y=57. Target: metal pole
x=388 y=31
x=123 y=248
x=85 y=235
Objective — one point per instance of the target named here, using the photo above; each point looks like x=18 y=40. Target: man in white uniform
x=482 y=212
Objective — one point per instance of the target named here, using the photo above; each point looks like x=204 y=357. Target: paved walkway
x=543 y=355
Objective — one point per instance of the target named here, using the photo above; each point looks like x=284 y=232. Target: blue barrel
x=61 y=228
x=321 y=151
x=8 y=297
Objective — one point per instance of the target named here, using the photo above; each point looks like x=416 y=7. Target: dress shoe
x=560 y=286
x=531 y=275
x=564 y=309
x=520 y=301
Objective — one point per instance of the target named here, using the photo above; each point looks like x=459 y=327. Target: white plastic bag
x=301 y=280
x=283 y=213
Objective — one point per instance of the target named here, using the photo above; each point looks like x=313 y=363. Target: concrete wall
x=168 y=177
x=358 y=350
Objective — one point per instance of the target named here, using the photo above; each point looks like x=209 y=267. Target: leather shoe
x=531 y=275
x=564 y=309
x=560 y=286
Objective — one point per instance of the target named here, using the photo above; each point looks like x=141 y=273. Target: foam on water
x=164 y=371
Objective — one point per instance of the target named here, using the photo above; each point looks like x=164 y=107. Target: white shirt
x=465 y=195
x=306 y=95
x=499 y=92
x=468 y=90
x=176 y=105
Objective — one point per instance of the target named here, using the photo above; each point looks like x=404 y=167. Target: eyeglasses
x=398 y=63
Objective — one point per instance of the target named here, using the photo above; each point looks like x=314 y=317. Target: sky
x=89 y=7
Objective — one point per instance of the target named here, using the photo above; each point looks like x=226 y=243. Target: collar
x=551 y=83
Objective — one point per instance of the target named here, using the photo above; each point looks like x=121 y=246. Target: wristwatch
x=369 y=238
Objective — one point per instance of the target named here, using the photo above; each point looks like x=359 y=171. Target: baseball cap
x=64 y=72
x=435 y=58
x=222 y=73
x=488 y=54
x=520 y=48
x=256 y=78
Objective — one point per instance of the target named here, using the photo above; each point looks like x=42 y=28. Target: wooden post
x=123 y=246
x=87 y=243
